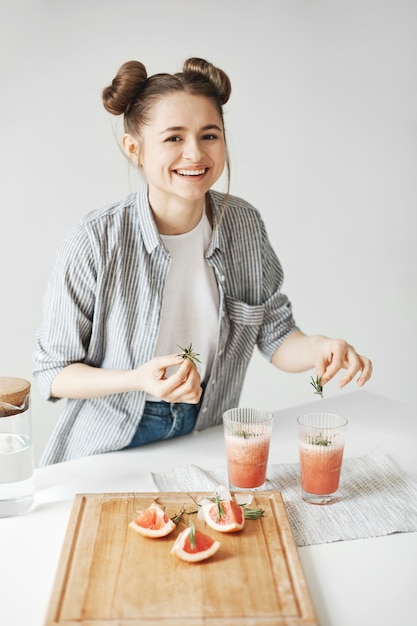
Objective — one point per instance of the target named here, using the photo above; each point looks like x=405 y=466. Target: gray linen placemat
x=377 y=498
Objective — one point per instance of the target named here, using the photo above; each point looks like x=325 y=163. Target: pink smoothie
x=320 y=468
x=247 y=460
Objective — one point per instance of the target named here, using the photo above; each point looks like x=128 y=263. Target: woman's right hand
x=82 y=381
x=182 y=385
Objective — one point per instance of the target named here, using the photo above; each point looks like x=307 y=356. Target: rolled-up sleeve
x=278 y=321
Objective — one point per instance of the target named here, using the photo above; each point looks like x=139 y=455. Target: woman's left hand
x=333 y=355
x=300 y=352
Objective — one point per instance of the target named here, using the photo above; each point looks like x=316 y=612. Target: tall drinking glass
x=247 y=434
x=321 y=438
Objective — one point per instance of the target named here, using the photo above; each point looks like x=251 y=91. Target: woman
x=175 y=265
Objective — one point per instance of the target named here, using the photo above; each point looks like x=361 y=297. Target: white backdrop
x=322 y=133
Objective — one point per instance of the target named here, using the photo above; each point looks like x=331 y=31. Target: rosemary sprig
x=178 y=516
x=250 y=514
x=253 y=513
x=192 y=535
x=317 y=385
x=220 y=514
x=321 y=440
x=244 y=434
x=188 y=353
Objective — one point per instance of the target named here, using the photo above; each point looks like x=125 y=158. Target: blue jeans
x=162 y=420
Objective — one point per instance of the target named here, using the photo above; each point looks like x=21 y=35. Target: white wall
x=322 y=133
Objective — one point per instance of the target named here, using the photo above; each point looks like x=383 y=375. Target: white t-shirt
x=190 y=310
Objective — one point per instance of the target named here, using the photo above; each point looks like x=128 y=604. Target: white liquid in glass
x=16 y=474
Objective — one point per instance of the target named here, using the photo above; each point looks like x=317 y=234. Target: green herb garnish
x=244 y=434
x=317 y=385
x=220 y=514
x=188 y=353
x=250 y=514
x=178 y=516
x=253 y=513
x=192 y=536
x=321 y=440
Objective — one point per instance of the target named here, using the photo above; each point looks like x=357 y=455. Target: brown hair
x=133 y=94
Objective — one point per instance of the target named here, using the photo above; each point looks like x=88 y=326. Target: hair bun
x=212 y=73
x=118 y=97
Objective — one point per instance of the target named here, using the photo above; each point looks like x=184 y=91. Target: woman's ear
x=130 y=147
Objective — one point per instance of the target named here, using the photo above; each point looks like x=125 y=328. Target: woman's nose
x=192 y=150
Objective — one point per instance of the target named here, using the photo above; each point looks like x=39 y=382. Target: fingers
x=356 y=363
x=180 y=384
x=162 y=363
x=184 y=385
x=343 y=356
x=366 y=372
x=334 y=360
x=345 y=359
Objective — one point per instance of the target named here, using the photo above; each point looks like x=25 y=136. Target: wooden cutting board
x=109 y=575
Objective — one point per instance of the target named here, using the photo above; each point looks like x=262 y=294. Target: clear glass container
x=16 y=447
x=321 y=438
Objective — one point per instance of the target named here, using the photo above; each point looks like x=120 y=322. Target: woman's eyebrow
x=171 y=129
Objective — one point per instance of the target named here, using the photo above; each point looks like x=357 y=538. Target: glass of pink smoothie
x=321 y=439
x=247 y=434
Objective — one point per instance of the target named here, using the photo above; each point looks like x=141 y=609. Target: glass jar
x=16 y=447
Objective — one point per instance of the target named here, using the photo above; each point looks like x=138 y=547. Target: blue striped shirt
x=103 y=305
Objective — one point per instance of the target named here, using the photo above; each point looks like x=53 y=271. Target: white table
x=352 y=583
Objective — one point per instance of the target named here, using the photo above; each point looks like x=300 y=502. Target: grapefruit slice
x=152 y=522
x=226 y=516
x=192 y=545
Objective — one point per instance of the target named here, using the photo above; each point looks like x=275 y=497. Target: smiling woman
x=182 y=152
x=174 y=264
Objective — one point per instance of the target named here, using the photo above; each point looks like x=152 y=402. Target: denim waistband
x=164 y=420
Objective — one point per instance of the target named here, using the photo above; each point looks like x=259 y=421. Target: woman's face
x=182 y=150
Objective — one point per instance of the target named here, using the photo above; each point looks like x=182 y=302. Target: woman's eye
x=211 y=136
x=174 y=138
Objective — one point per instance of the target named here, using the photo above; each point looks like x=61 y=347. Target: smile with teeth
x=191 y=172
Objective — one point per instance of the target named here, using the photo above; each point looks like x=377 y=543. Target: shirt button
x=213 y=382
x=204 y=410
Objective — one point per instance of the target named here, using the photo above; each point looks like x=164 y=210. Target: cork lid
x=13 y=391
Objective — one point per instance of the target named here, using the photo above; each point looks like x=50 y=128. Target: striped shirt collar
x=150 y=232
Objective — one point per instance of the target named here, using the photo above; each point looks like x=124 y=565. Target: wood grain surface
x=109 y=575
